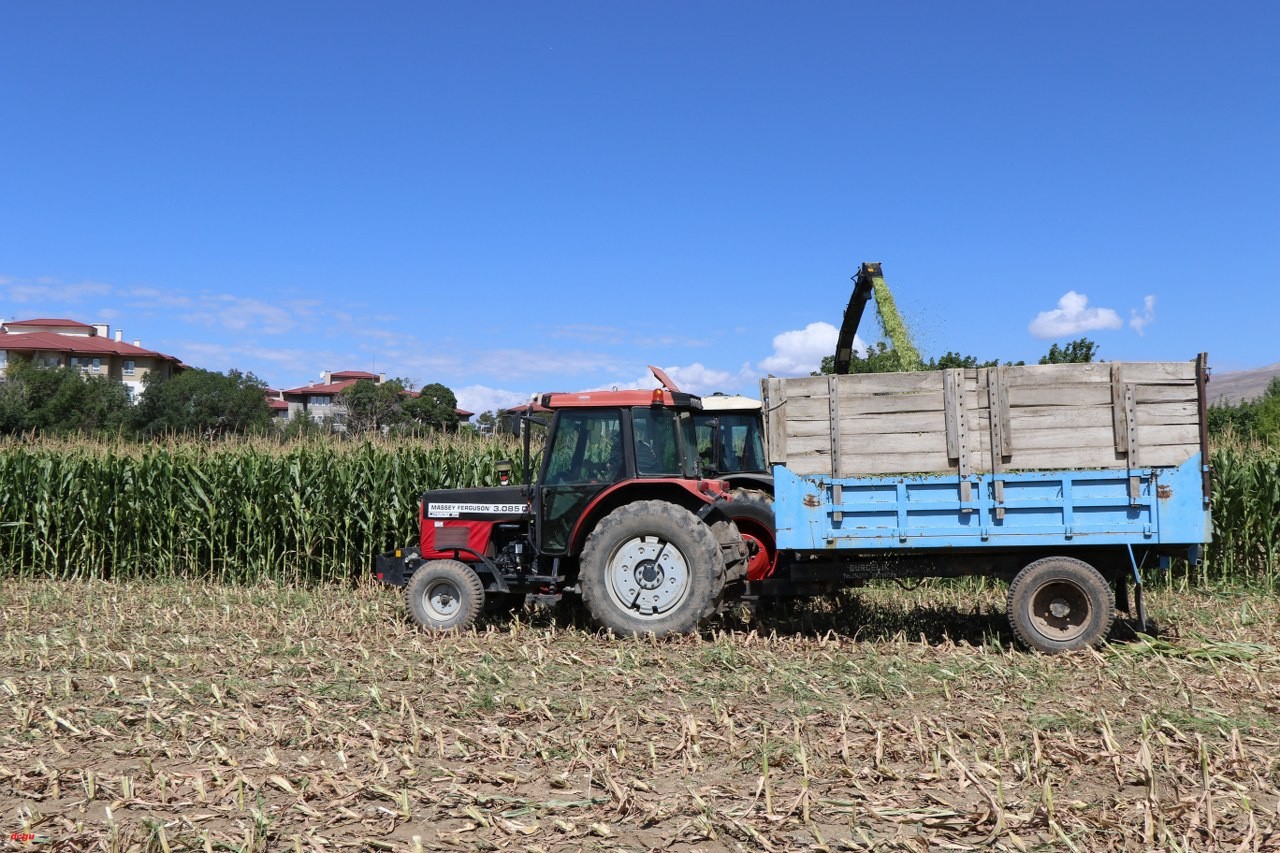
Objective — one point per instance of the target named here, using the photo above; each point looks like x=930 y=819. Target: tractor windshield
x=587 y=448
x=730 y=442
x=661 y=436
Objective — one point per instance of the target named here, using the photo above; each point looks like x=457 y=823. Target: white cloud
x=480 y=398
x=800 y=352
x=697 y=378
x=587 y=333
x=1073 y=316
x=1139 y=322
x=52 y=290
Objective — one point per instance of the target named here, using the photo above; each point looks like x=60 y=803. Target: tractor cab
x=600 y=441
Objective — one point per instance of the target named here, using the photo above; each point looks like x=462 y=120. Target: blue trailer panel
x=1149 y=506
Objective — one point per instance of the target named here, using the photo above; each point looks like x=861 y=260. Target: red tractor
x=619 y=514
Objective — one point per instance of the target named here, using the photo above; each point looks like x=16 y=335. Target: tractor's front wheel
x=651 y=567
x=444 y=595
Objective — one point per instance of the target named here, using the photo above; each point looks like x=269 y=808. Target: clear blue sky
x=509 y=197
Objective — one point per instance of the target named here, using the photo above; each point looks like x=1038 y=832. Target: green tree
x=879 y=358
x=1080 y=351
x=435 y=406
x=1257 y=419
x=202 y=402
x=486 y=423
x=370 y=406
x=60 y=399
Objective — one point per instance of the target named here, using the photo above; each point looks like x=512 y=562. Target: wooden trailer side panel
x=961 y=421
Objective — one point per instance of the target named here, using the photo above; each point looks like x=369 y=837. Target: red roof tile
x=60 y=323
x=353 y=374
x=53 y=342
x=332 y=388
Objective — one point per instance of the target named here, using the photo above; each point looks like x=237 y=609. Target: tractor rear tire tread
x=673 y=523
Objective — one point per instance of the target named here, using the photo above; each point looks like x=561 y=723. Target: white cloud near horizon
x=800 y=352
x=1139 y=322
x=1073 y=316
x=481 y=398
x=699 y=379
x=51 y=290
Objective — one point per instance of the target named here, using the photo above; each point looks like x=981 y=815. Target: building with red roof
x=59 y=342
x=320 y=401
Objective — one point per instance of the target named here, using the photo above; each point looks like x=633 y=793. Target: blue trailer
x=1065 y=480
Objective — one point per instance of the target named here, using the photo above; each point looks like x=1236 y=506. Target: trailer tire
x=1061 y=604
x=444 y=595
x=752 y=511
x=651 y=567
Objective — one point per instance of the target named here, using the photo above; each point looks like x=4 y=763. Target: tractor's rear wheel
x=651 y=567
x=444 y=595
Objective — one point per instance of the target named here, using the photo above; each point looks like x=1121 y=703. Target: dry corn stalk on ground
x=197 y=717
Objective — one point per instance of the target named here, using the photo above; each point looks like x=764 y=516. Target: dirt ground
x=183 y=716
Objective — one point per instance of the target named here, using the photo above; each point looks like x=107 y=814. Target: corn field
x=320 y=510
x=1246 y=513
x=238 y=511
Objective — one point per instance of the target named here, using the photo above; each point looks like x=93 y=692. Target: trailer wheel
x=444 y=595
x=752 y=510
x=1060 y=604
x=651 y=567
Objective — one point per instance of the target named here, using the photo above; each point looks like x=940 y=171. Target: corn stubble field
x=192 y=716
x=193 y=658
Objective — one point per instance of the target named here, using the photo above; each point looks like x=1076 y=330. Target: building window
x=4 y=359
x=128 y=367
x=97 y=365
x=320 y=400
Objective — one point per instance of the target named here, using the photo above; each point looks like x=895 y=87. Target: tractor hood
x=486 y=504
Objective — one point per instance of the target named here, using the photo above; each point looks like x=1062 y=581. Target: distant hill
x=1240 y=385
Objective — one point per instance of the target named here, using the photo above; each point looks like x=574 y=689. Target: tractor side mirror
x=509 y=423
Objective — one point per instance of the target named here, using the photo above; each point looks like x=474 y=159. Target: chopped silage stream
x=895 y=328
x=185 y=716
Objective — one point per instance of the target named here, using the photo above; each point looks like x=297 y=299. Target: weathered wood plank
x=1159 y=372
x=891 y=423
x=1183 y=392
x=1167 y=454
x=903 y=442
x=808 y=429
x=893 y=383
x=1020 y=376
x=775 y=420
x=1168 y=413
x=1059 y=420
x=806 y=409
x=1100 y=436
x=898 y=463
x=1187 y=435
x=804 y=386
x=920 y=401
x=1061 y=395
x=1071 y=457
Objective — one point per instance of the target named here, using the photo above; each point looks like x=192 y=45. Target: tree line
x=51 y=400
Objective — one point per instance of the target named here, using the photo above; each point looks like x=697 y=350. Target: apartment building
x=91 y=348
x=321 y=401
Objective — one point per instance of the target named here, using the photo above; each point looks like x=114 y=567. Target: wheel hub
x=442 y=600
x=1060 y=610
x=648 y=576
